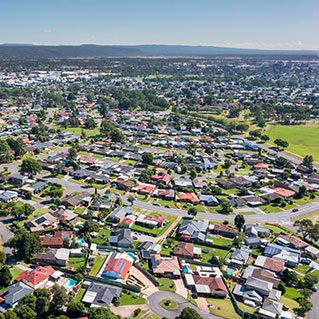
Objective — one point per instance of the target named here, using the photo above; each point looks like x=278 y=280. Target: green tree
x=147 y=158
x=192 y=211
x=59 y=298
x=17 y=146
x=30 y=166
x=101 y=313
x=5 y=276
x=6 y=154
x=89 y=123
x=226 y=208
x=310 y=280
x=239 y=222
x=25 y=244
x=189 y=313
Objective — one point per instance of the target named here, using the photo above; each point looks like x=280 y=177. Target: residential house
x=167 y=194
x=13 y=294
x=121 y=238
x=193 y=230
x=117 y=266
x=271 y=264
x=188 y=197
x=83 y=198
x=101 y=295
x=36 y=278
x=225 y=230
x=165 y=266
x=187 y=250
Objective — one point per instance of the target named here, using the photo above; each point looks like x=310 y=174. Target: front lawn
x=158 y=231
x=166 y=284
x=130 y=298
x=79 y=295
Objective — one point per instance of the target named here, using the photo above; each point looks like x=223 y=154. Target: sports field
x=303 y=139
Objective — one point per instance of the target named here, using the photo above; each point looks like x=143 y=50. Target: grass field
x=98 y=262
x=223 y=308
x=166 y=284
x=302 y=139
x=130 y=298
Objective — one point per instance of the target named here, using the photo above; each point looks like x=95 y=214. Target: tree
x=192 y=211
x=310 y=280
x=25 y=245
x=147 y=158
x=239 y=222
x=117 y=136
x=226 y=208
x=5 y=277
x=76 y=309
x=6 y=154
x=3 y=257
x=131 y=199
x=304 y=226
x=30 y=166
x=265 y=138
x=308 y=161
x=281 y=143
x=17 y=146
x=59 y=298
x=10 y=314
x=72 y=153
x=89 y=123
x=188 y=313
x=101 y=313
x=24 y=312
x=305 y=306
x=242 y=127
x=289 y=277
x=106 y=127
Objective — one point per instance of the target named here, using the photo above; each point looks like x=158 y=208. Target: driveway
x=180 y=288
x=149 y=287
x=5 y=234
x=154 y=304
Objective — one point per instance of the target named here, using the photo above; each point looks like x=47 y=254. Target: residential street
x=154 y=304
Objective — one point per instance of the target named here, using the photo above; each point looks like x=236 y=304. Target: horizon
x=158 y=44
x=264 y=25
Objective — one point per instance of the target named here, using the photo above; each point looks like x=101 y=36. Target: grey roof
x=193 y=227
x=105 y=293
x=123 y=236
x=16 y=291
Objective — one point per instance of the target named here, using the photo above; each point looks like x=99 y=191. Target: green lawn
x=78 y=130
x=76 y=262
x=223 y=308
x=103 y=236
x=166 y=284
x=169 y=304
x=79 y=295
x=130 y=298
x=158 y=231
x=98 y=262
x=302 y=139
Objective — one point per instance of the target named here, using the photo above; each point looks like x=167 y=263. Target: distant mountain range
x=29 y=51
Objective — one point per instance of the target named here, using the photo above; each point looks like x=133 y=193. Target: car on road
x=295 y=210
x=157 y=204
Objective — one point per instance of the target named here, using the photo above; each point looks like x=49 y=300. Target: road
x=5 y=234
x=154 y=304
x=314 y=312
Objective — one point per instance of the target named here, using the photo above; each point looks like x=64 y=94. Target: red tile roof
x=191 y=197
x=37 y=275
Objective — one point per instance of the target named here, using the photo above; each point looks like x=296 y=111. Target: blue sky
x=269 y=24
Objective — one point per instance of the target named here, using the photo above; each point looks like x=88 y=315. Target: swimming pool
x=69 y=283
x=80 y=241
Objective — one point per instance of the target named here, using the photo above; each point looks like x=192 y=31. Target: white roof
x=89 y=296
x=189 y=279
x=202 y=289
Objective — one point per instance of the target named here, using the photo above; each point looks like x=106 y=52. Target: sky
x=261 y=24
